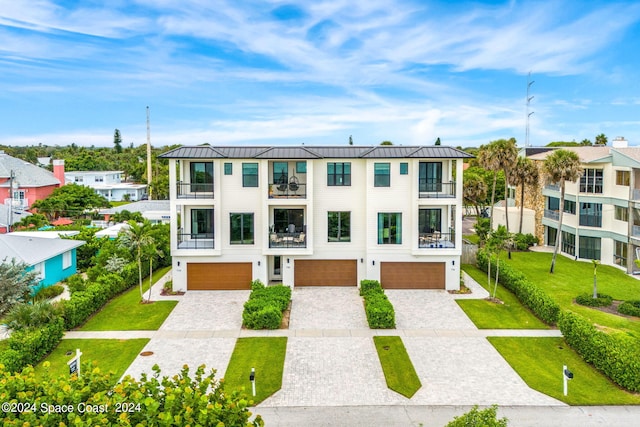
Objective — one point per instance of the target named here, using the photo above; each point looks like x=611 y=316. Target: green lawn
x=398 y=370
x=572 y=278
x=126 y=313
x=539 y=362
x=266 y=355
x=489 y=315
x=110 y=355
x=473 y=238
x=115 y=204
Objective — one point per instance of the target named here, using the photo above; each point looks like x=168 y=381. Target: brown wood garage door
x=326 y=272
x=218 y=276
x=412 y=275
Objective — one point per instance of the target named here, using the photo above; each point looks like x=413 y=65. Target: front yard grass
x=110 y=354
x=126 y=313
x=539 y=362
x=398 y=370
x=572 y=278
x=490 y=315
x=266 y=355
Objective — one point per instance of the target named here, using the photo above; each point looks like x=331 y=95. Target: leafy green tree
x=601 y=139
x=137 y=238
x=386 y=143
x=474 y=191
x=479 y=418
x=499 y=240
x=16 y=284
x=126 y=216
x=117 y=141
x=350 y=140
x=70 y=200
x=559 y=167
x=34 y=220
x=438 y=141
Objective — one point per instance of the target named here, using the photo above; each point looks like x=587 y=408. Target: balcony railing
x=17 y=203
x=289 y=190
x=437 y=240
x=554 y=187
x=195 y=241
x=287 y=240
x=429 y=189
x=635 y=230
x=551 y=214
x=636 y=194
x=188 y=190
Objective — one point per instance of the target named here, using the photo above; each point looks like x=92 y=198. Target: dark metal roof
x=308 y=152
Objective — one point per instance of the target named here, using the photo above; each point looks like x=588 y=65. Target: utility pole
x=149 y=173
x=529 y=98
x=12 y=176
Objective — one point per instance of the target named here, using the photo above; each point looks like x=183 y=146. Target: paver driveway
x=207 y=310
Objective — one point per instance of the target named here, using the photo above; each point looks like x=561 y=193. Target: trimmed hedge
x=615 y=355
x=28 y=347
x=541 y=304
x=265 y=306
x=378 y=308
x=49 y=292
x=589 y=301
x=630 y=308
x=83 y=304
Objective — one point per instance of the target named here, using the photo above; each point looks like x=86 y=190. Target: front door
x=276 y=269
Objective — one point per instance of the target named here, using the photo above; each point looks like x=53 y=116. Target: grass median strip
x=266 y=355
x=398 y=370
x=110 y=354
x=539 y=362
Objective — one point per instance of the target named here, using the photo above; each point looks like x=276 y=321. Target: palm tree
x=474 y=190
x=137 y=238
x=487 y=159
x=506 y=155
x=559 y=167
x=524 y=174
x=499 y=240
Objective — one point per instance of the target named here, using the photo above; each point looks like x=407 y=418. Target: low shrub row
x=48 y=292
x=265 y=306
x=378 y=308
x=541 y=304
x=630 y=308
x=588 y=300
x=616 y=355
x=29 y=346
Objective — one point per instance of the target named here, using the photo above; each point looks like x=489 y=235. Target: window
x=429 y=221
x=338 y=174
x=280 y=172
x=201 y=175
x=623 y=178
x=228 y=168
x=249 y=174
x=591 y=181
x=241 y=228
x=590 y=247
x=339 y=226
x=568 y=243
x=553 y=204
x=404 y=168
x=620 y=253
x=382 y=175
x=202 y=223
x=39 y=270
x=591 y=214
x=18 y=195
x=430 y=177
x=301 y=167
x=621 y=214
x=288 y=221
x=570 y=207
x=78 y=179
x=389 y=228
x=551 y=236
x=66 y=260
x=99 y=179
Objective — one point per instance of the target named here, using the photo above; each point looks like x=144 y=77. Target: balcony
x=287 y=240
x=187 y=190
x=636 y=194
x=437 y=240
x=17 y=203
x=290 y=190
x=437 y=190
x=554 y=187
x=195 y=241
x=551 y=214
x=635 y=230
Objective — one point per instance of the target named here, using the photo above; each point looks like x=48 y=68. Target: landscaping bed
x=378 y=308
x=399 y=372
x=266 y=306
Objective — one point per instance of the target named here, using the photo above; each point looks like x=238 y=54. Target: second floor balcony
x=436 y=189
x=437 y=240
x=291 y=189
x=552 y=214
x=195 y=240
x=287 y=240
x=190 y=190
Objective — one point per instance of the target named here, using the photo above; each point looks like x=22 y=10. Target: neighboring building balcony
x=635 y=194
x=187 y=190
x=195 y=240
x=554 y=187
x=17 y=203
x=288 y=190
x=635 y=230
x=551 y=214
x=287 y=240
x=435 y=189
x=437 y=240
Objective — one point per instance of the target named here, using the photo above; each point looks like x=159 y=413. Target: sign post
x=566 y=376
x=252 y=378
x=74 y=364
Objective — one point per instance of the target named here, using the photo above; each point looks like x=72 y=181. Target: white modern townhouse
x=601 y=218
x=315 y=216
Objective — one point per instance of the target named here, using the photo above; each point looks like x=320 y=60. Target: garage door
x=412 y=275
x=326 y=272
x=218 y=276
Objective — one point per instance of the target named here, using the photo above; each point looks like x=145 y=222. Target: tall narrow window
x=338 y=174
x=623 y=178
x=202 y=223
x=589 y=247
x=620 y=253
x=382 y=175
x=430 y=177
x=389 y=228
x=404 y=168
x=339 y=226
x=241 y=228
x=429 y=221
x=280 y=172
x=249 y=174
x=201 y=176
x=591 y=214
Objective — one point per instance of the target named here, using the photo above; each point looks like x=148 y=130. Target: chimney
x=58 y=170
x=619 y=142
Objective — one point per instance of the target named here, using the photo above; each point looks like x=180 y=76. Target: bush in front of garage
x=265 y=306
x=378 y=308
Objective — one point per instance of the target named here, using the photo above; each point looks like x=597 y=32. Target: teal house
x=53 y=259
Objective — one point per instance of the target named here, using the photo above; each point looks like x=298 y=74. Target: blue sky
x=316 y=72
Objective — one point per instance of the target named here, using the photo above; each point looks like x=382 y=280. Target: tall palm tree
x=524 y=174
x=137 y=238
x=474 y=190
x=559 y=167
x=506 y=155
x=487 y=159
